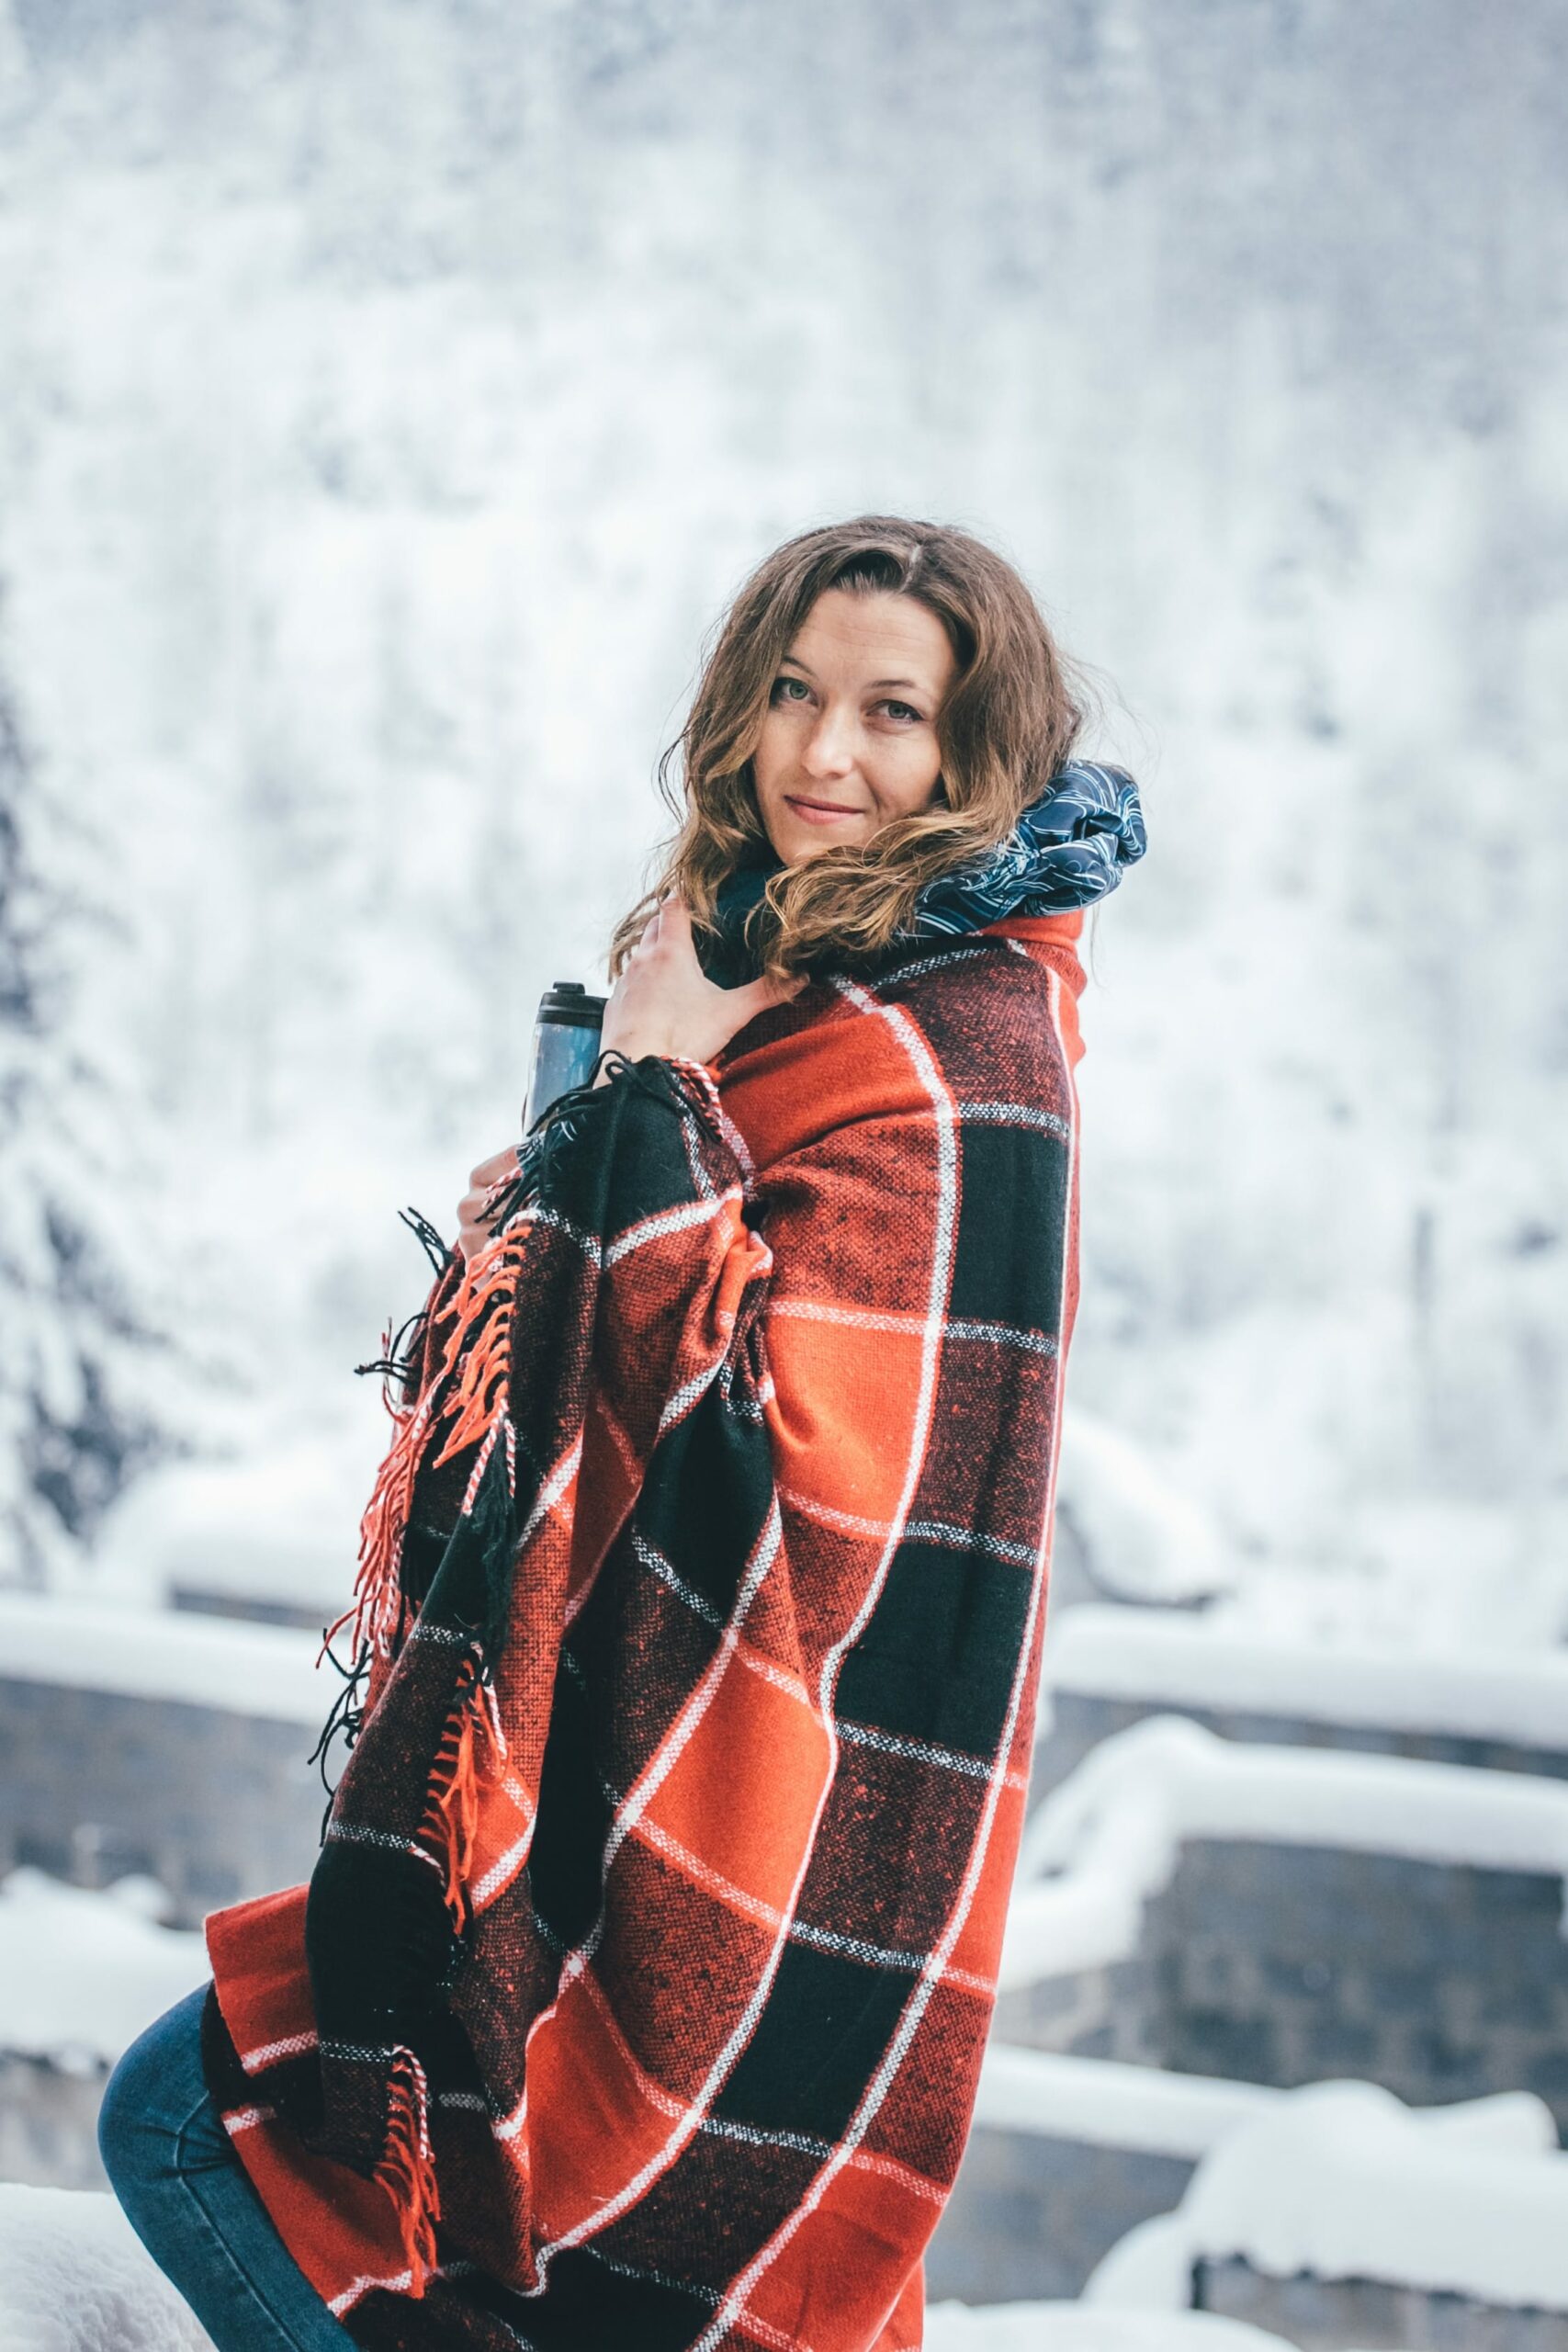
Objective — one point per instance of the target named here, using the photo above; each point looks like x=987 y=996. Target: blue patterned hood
x=1070 y=847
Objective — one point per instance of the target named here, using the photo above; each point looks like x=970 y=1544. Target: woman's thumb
x=761 y=995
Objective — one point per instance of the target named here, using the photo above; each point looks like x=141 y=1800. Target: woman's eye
x=902 y=710
x=779 y=685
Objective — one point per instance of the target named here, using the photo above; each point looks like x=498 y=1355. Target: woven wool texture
x=638 y=1994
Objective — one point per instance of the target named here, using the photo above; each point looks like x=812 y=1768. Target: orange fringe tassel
x=452 y=1813
x=407 y=2171
x=483 y=1303
x=489 y=1281
x=377 y=1609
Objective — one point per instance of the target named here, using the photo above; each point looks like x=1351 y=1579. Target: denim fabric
x=188 y=2199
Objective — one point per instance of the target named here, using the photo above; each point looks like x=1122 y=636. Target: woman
x=637 y=1997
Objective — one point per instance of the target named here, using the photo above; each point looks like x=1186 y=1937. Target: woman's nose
x=830 y=747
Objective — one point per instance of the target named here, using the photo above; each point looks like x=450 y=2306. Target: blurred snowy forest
x=390 y=396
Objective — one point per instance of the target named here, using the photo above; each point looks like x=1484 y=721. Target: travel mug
x=566 y=1046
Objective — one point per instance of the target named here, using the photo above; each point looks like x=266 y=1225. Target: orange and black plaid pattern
x=638 y=1997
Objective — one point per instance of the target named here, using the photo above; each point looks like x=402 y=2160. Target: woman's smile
x=818 y=812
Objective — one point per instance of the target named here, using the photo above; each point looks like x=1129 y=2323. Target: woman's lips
x=818 y=812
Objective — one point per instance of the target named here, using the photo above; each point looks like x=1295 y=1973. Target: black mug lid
x=568 y=1004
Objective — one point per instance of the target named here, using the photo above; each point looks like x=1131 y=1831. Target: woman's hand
x=665 y=1003
x=483 y=1183
x=662 y=1004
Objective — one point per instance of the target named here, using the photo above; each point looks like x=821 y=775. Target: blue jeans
x=190 y=2201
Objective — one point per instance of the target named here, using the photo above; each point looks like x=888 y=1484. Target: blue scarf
x=1068 y=849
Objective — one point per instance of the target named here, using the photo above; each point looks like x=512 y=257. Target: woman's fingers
x=483 y=1183
x=664 y=1002
x=500 y=1163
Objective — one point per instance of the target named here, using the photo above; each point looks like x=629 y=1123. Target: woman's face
x=848 y=738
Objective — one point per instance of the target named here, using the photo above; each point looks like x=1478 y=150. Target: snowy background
x=391 y=395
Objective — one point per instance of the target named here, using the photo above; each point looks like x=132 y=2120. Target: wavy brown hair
x=1011 y=716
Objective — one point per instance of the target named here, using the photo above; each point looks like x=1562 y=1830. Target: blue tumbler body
x=566 y=1046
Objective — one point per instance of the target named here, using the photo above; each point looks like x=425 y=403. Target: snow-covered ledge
x=229 y=1663
x=1112 y=1831
x=1104 y=2102
x=1172 y=1658
x=1107 y=2103
x=1342 y=2181
x=1070 y=2327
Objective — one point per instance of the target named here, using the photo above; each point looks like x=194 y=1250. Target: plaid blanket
x=638 y=1994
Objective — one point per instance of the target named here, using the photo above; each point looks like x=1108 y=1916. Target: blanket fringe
x=407 y=2169
x=479 y=1310
x=483 y=1306
x=379 y=1608
x=451 y=1815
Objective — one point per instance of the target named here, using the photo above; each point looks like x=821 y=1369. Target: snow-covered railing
x=273 y=1528
x=1105 y=2103
x=1176 y=1658
x=1113 y=1831
x=244 y=1669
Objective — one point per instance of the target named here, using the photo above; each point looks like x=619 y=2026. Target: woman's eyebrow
x=913 y=683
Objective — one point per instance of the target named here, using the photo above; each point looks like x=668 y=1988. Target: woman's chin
x=795 y=842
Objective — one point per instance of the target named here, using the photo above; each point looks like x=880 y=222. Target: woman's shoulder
x=980 y=1026
x=996 y=1011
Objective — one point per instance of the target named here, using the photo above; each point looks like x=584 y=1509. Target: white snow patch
x=1113 y=1829
x=1144 y=1536
x=82 y=1974
x=279 y=1524
x=1211 y=1661
x=1108 y=2103
x=1069 y=2327
x=1340 y=2180
x=75 y=2276
x=244 y=1669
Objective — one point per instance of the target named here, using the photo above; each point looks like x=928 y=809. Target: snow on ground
x=246 y=1669
x=75 y=2278
x=1113 y=1830
x=82 y=1974
x=1343 y=2180
x=1220 y=1660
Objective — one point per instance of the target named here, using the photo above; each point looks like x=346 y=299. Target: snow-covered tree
x=83 y=1369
